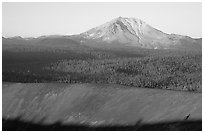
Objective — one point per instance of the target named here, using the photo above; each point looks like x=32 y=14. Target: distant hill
x=42 y=43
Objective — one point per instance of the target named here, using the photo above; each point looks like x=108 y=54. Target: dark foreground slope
x=93 y=104
x=19 y=125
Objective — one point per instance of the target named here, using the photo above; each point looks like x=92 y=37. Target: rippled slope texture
x=97 y=104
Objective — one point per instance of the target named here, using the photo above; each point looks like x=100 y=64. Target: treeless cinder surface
x=97 y=103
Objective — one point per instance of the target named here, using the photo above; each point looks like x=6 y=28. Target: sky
x=37 y=19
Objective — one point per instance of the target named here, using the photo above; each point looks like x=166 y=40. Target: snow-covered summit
x=115 y=26
x=125 y=30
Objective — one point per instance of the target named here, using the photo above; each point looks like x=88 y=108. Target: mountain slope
x=96 y=103
x=135 y=32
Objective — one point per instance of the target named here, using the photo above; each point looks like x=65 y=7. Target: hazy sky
x=36 y=19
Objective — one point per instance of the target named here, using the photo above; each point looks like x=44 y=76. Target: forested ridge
x=181 y=72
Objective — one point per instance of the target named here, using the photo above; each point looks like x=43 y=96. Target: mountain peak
x=129 y=19
x=132 y=32
x=120 y=28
